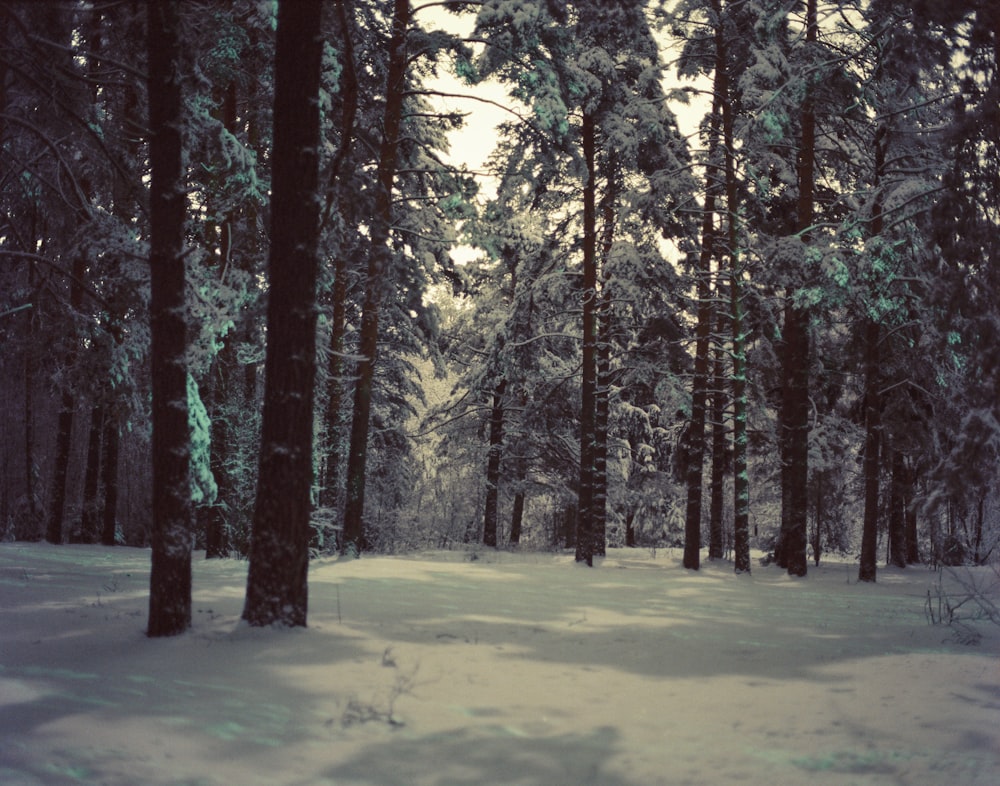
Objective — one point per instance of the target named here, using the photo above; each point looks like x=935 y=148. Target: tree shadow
x=490 y=754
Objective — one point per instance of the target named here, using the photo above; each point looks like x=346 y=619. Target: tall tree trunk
x=30 y=471
x=277 y=590
x=109 y=477
x=741 y=478
x=67 y=412
x=378 y=263
x=796 y=358
x=695 y=437
x=716 y=530
x=218 y=388
x=912 y=546
x=89 y=529
x=603 y=318
x=330 y=492
x=170 y=576
x=588 y=385
x=495 y=456
x=220 y=405
x=897 y=510
x=57 y=493
x=330 y=487
x=871 y=467
x=868 y=568
x=602 y=406
x=517 y=512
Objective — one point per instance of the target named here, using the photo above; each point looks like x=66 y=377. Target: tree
x=378 y=263
x=277 y=590
x=170 y=576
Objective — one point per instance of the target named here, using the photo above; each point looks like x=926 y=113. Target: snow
x=513 y=668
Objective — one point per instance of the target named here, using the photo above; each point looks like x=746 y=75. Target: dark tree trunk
x=57 y=494
x=897 y=511
x=741 y=478
x=218 y=388
x=795 y=442
x=330 y=491
x=109 y=479
x=817 y=542
x=330 y=494
x=67 y=412
x=517 y=514
x=89 y=529
x=912 y=547
x=796 y=358
x=716 y=529
x=588 y=384
x=277 y=591
x=170 y=577
x=220 y=407
x=868 y=568
x=602 y=406
x=378 y=263
x=602 y=388
x=493 y=461
x=873 y=428
x=29 y=404
x=695 y=435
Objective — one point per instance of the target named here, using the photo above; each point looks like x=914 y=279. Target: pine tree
x=170 y=577
x=277 y=591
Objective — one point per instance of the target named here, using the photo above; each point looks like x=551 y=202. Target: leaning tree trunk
x=277 y=591
x=170 y=577
x=378 y=262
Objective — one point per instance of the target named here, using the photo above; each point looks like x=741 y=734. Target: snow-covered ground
x=509 y=669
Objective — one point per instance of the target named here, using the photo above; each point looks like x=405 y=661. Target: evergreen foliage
x=776 y=328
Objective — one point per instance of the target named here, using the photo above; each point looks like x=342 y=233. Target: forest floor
x=512 y=668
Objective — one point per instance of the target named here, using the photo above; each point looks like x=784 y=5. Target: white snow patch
x=511 y=669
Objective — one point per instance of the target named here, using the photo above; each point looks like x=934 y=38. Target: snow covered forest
x=253 y=303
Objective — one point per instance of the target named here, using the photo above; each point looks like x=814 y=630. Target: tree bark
x=330 y=491
x=495 y=456
x=741 y=478
x=716 y=529
x=873 y=428
x=277 y=591
x=109 y=477
x=796 y=359
x=170 y=577
x=868 y=568
x=89 y=529
x=897 y=510
x=588 y=384
x=378 y=263
x=695 y=437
